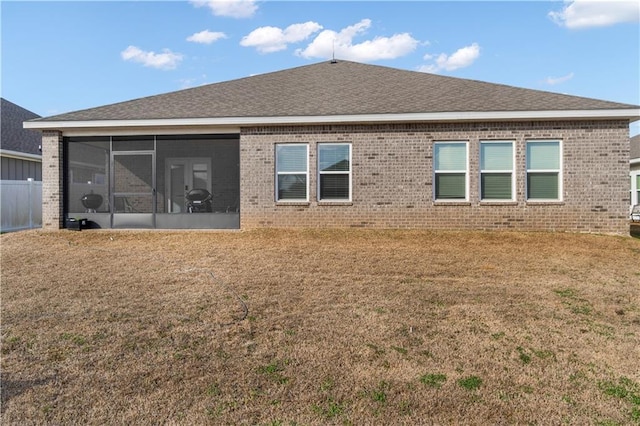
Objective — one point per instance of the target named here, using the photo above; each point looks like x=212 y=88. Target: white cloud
x=206 y=37
x=229 y=8
x=274 y=39
x=461 y=58
x=596 y=13
x=341 y=43
x=552 y=81
x=167 y=60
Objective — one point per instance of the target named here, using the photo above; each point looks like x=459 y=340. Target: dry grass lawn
x=341 y=327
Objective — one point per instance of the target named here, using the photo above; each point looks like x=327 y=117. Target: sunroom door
x=183 y=175
x=133 y=189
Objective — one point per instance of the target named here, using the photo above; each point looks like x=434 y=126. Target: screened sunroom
x=158 y=181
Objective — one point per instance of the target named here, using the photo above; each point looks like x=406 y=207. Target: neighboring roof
x=635 y=148
x=12 y=135
x=338 y=89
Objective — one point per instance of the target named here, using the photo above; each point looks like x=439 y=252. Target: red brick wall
x=392 y=177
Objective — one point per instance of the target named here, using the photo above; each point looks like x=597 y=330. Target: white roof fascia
x=20 y=155
x=631 y=114
x=634 y=161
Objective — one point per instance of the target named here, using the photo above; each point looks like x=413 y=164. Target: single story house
x=343 y=144
x=634 y=164
x=20 y=157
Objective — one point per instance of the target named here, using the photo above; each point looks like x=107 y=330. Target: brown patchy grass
x=343 y=327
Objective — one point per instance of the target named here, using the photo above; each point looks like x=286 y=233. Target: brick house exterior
x=389 y=174
x=393 y=178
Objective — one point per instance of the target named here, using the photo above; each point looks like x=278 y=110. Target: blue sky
x=65 y=56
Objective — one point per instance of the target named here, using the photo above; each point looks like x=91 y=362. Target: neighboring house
x=344 y=144
x=635 y=169
x=20 y=170
x=20 y=157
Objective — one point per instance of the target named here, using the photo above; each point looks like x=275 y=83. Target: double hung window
x=292 y=172
x=544 y=170
x=496 y=171
x=334 y=172
x=451 y=171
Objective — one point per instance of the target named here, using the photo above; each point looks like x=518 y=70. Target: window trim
x=512 y=171
x=559 y=171
x=278 y=173
x=466 y=173
x=634 y=193
x=349 y=173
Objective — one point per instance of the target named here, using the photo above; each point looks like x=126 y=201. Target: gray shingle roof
x=12 y=136
x=341 y=88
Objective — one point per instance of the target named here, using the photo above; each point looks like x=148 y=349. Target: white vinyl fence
x=20 y=204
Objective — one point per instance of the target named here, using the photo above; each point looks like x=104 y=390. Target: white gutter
x=634 y=161
x=631 y=114
x=20 y=155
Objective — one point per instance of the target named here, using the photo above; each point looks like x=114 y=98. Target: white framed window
x=292 y=172
x=635 y=187
x=497 y=161
x=334 y=172
x=544 y=170
x=451 y=171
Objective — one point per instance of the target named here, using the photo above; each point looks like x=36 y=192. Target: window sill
x=451 y=203
x=335 y=203
x=292 y=203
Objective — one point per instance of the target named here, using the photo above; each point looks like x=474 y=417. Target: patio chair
x=635 y=213
x=123 y=205
x=235 y=207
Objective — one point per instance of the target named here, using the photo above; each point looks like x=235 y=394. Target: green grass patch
x=379 y=394
x=470 y=383
x=544 y=354
x=76 y=339
x=433 y=380
x=498 y=336
x=575 y=304
x=581 y=309
x=329 y=409
x=327 y=385
x=274 y=371
x=524 y=357
x=626 y=390
x=567 y=292
x=377 y=351
x=213 y=390
x=398 y=349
